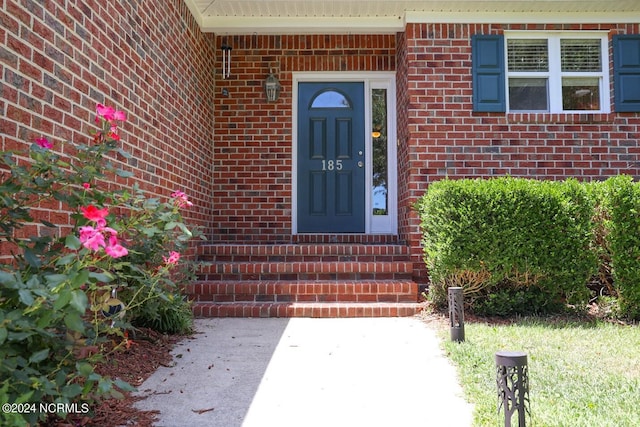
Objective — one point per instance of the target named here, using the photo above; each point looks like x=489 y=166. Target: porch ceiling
x=389 y=16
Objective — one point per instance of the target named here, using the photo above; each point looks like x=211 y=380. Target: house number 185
x=329 y=165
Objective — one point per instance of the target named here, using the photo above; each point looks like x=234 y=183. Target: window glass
x=580 y=55
x=330 y=99
x=380 y=157
x=528 y=94
x=528 y=55
x=582 y=93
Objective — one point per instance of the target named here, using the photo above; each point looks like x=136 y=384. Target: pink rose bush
x=119 y=241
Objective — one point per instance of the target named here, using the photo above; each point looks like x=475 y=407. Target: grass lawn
x=581 y=373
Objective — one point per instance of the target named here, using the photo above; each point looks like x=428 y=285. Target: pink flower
x=94 y=238
x=109 y=113
x=173 y=258
x=91 y=238
x=86 y=185
x=180 y=199
x=119 y=115
x=44 y=143
x=94 y=214
x=114 y=249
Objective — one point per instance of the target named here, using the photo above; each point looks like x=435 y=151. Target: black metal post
x=456 y=313
x=513 y=385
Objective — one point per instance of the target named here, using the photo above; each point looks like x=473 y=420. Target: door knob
x=360 y=164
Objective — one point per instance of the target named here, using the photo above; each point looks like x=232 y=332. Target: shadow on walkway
x=306 y=372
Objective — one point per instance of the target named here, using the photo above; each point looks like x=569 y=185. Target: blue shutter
x=487 y=58
x=626 y=72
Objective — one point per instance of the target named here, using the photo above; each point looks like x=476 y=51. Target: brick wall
x=58 y=58
x=253 y=138
x=441 y=136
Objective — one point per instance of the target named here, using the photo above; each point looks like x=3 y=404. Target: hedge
x=622 y=206
x=514 y=244
x=519 y=246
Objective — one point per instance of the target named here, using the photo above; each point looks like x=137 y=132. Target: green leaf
x=71 y=390
x=72 y=242
x=25 y=296
x=184 y=229
x=79 y=301
x=123 y=385
x=116 y=394
x=85 y=369
x=104 y=385
x=74 y=322
x=55 y=279
x=48 y=224
x=44 y=319
x=150 y=231
x=39 y=356
x=66 y=260
x=19 y=336
x=25 y=398
x=170 y=225
x=63 y=299
x=80 y=279
x=104 y=277
x=124 y=153
x=31 y=258
x=3 y=335
x=124 y=174
x=7 y=278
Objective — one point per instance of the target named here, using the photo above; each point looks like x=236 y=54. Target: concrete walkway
x=303 y=372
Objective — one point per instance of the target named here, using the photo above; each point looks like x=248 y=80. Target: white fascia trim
x=302 y=25
x=412 y=17
x=195 y=12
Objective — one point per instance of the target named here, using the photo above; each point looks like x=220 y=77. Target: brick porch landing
x=322 y=276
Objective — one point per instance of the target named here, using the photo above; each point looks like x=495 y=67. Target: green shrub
x=623 y=205
x=517 y=233
x=507 y=301
x=168 y=314
x=602 y=282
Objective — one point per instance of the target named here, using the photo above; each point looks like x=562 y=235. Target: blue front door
x=331 y=172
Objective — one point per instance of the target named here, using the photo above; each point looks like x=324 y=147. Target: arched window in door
x=330 y=98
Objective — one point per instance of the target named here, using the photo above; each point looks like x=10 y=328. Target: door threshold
x=357 y=238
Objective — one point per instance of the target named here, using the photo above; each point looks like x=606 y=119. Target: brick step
x=379 y=239
x=303 y=291
x=319 y=270
x=306 y=309
x=303 y=253
x=311 y=276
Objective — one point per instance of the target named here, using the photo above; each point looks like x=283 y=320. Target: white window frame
x=555 y=73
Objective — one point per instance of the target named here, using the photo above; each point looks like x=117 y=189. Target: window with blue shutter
x=626 y=72
x=488 y=73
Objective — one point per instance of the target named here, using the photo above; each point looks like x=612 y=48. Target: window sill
x=561 y=118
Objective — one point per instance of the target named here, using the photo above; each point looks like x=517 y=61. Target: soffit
x=388 y=16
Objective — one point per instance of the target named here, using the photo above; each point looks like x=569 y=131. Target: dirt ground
x=146 y=353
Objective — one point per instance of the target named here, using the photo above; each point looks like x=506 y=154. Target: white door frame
x=374 y=224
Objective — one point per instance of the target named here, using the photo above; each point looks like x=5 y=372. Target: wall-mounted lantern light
x=272 y=88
